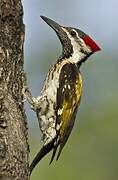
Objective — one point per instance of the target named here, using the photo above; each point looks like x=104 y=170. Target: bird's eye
x=73 y=33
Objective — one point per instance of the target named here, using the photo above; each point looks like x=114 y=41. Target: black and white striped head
x=75 y=43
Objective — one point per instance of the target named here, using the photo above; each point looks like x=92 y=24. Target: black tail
x=44 y=150
x=54 y=152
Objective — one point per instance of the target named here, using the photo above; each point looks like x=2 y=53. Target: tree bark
x=14 y=148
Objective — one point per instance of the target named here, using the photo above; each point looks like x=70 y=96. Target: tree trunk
x=13 y=127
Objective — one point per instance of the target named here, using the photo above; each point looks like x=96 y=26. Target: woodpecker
x=57 y=105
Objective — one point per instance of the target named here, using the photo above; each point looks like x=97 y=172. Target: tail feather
x=59 y=153
x=44 y=150
x=54 y=152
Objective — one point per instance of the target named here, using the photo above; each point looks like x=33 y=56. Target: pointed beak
x=52 y=23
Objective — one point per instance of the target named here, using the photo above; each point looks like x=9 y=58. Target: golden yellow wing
x=68 y=99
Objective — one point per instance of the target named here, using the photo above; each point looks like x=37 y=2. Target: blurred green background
x=92 y=150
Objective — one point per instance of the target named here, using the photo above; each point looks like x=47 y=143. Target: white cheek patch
x=77 y=54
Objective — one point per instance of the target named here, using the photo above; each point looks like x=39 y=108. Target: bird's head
x=76 y=45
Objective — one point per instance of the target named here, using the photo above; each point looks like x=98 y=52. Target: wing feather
x=68 y=99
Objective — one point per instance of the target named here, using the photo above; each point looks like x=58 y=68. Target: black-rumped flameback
x=57 y=105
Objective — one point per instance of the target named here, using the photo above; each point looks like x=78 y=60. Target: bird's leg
x=28 y=96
